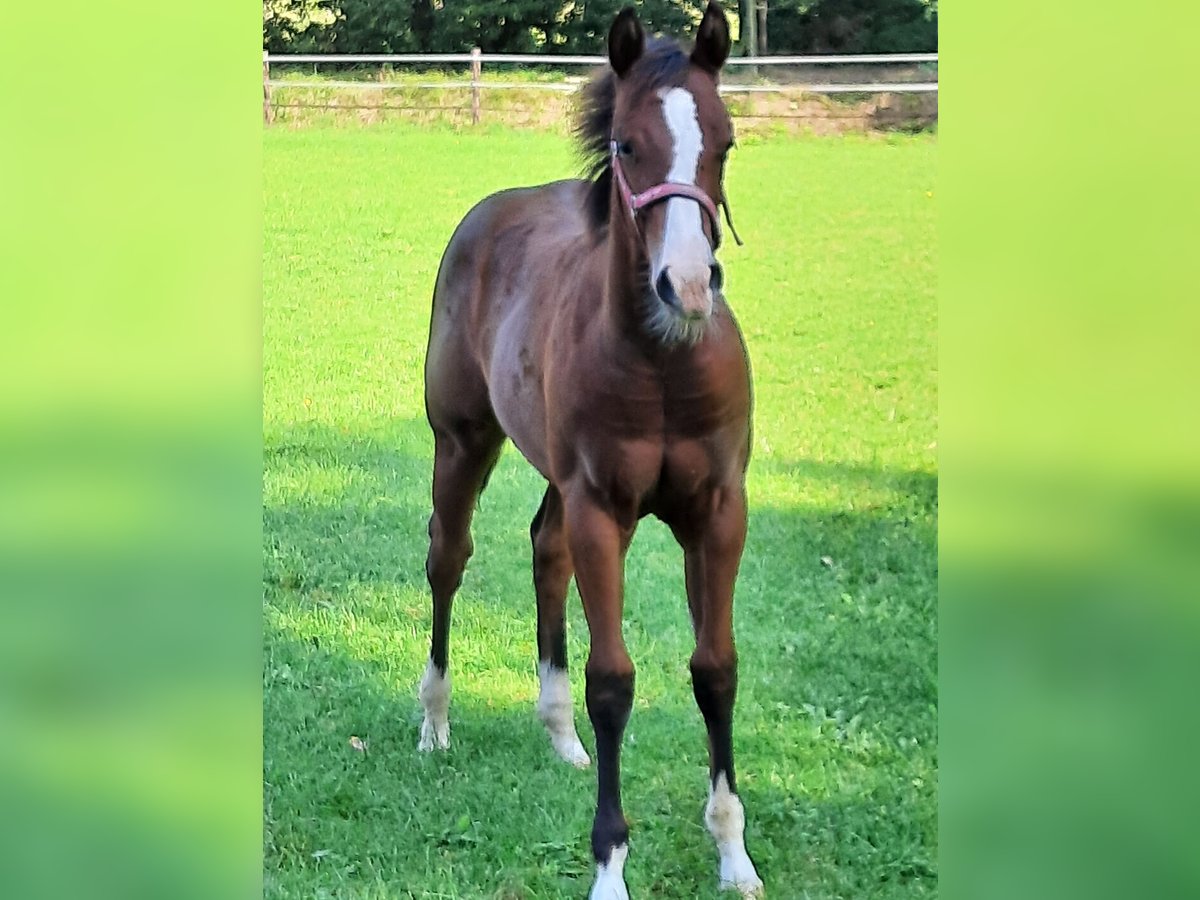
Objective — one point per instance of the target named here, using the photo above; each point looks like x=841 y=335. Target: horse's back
x=493 y=302
x=503 y=221
x=501 y=250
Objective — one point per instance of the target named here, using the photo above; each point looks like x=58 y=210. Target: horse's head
x=670 y=133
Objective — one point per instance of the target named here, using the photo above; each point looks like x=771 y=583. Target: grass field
x=836 y=604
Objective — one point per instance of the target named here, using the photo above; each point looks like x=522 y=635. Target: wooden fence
x=475 y=60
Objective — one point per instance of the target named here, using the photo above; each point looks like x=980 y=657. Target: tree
x=854 y=26
x=581 y=26
x=374 y=26
x=285 y=20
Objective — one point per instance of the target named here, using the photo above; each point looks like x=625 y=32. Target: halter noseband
x=667 y=189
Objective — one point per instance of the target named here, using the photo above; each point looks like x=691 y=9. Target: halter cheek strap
x=659 y=192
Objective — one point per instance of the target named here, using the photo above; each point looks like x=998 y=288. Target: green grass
x=836 y=619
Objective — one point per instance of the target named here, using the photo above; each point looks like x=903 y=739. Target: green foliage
x=555 y=26
x=508 y=26
x=836 y=601
x=853 y=26
x=565 y=26
x=286 y=20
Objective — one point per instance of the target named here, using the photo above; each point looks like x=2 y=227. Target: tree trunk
x=421 y=24
x=748 y=17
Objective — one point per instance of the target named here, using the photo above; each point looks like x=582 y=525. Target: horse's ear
x=712 y=39
x=626 y=40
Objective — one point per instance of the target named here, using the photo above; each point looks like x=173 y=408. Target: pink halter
x=660 y=192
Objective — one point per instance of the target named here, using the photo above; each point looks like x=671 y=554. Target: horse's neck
x=624 y=288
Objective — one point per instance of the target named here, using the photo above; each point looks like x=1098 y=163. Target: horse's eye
x=624 y=148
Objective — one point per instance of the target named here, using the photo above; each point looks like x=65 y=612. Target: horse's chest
x=624 y=470
x=644 y=441
x=652 y=473
x=688 y=468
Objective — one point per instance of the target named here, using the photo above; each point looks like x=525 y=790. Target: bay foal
x=585 y=321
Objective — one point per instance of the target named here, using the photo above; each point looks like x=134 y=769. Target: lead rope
x=729 y=219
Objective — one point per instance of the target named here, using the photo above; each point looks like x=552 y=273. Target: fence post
x=476 y=71
x=268 y=112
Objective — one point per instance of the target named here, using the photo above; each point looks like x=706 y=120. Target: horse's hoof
x=737 y=874
x=750 y=888
x=748 y=891
x=434 y=737
x=613 y=891
x=571 y=750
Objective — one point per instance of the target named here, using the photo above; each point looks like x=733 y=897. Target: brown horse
x=585 y=321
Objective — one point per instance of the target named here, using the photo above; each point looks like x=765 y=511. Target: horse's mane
x=662 y=64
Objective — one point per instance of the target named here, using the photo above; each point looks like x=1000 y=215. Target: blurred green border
x=130 y=451
x=1071 y=515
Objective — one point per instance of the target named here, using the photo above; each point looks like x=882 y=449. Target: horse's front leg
x=712 y=552
x=598 y=545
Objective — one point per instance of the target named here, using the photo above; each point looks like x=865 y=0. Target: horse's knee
x=448 y=555
x=551 y=558
x=551 y=564
x=609 y=696
x=714 y=682
x=535 y=526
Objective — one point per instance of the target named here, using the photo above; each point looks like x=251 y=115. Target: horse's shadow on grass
x=372 y=526
x=822 y=595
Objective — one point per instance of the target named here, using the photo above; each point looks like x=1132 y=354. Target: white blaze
x=684 y=239
x=685 y=248
x=679 y=109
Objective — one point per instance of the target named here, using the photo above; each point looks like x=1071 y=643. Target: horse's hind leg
x=463 y=458
x=551 y=574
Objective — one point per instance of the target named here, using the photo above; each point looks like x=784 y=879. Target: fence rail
x=541 y=59
x=874 y=87
x=476 y=85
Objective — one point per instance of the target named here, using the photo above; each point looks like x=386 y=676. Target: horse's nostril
x=716 y=278
x=666 y=293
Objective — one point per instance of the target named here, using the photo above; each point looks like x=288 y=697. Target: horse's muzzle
x=690 y=293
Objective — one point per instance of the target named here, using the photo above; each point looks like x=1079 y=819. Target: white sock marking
x=610 y=877
x=557 y=714
x=685 y=252
x=726 y=821
x=435 y=697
